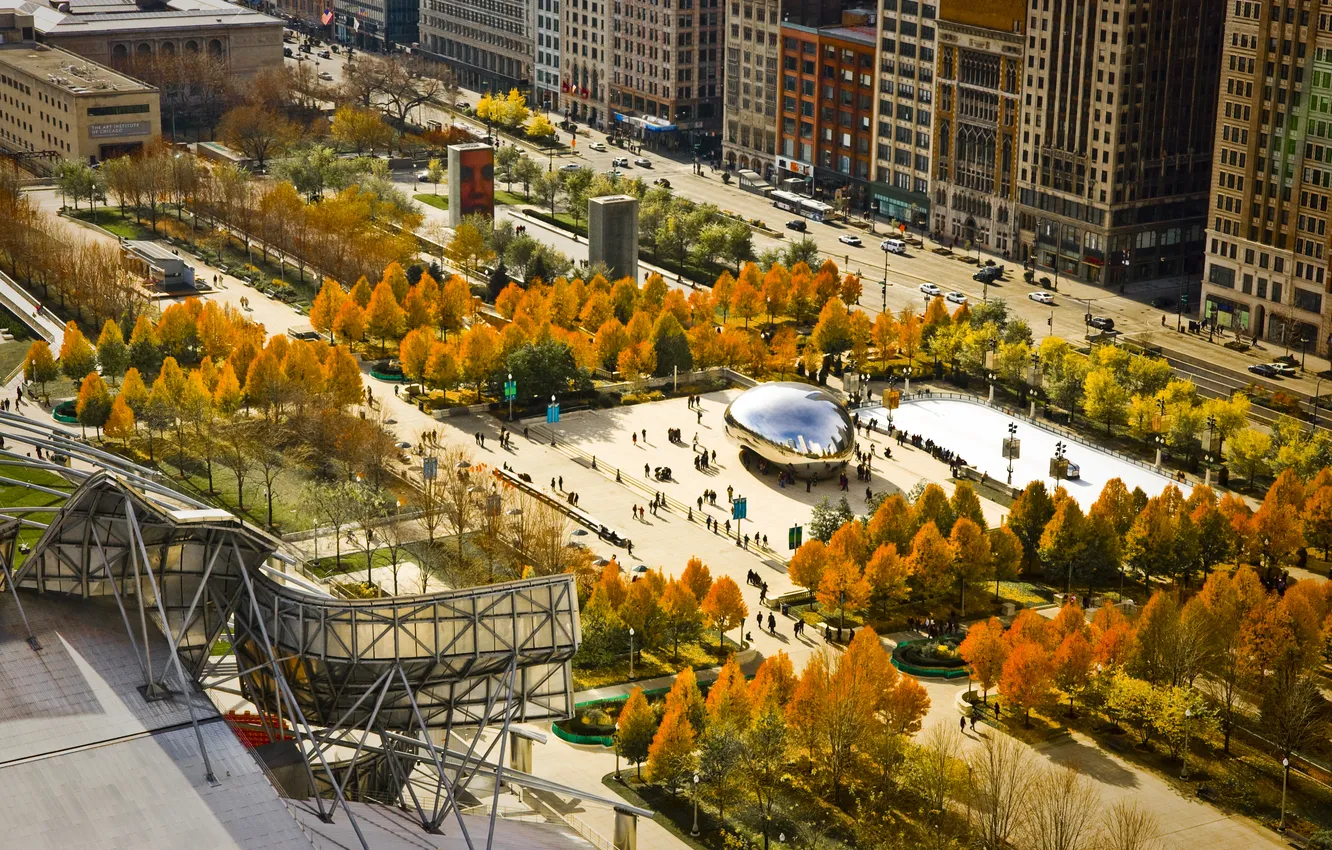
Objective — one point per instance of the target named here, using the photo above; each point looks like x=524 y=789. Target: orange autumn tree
x=1027 y=678
x=728 y=702
x=808 y=564
x=671 y=755
x=843 y=589
x=636 y=727
x=697 y=577
x=985 y=651
x=724 y=607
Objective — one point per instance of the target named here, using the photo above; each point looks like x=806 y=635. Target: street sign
x=510 y=390
x=1058 y=467
x=1012 y=448
x=740 y=508
x=794 y=536
x=552 y=413
x=430 y=468
x=894 y=399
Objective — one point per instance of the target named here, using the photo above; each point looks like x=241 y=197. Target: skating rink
x=976 y=431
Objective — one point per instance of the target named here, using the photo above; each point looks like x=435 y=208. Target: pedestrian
x=772 y=623
x=561 y=482
x=646 y=472
x=763 y=594
x=962 y=724
x=552 y=483
x=973 y=720
x=645 y=435
x=759 y=618
x=635 y=438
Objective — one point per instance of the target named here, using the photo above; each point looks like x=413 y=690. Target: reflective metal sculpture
x=792 y=424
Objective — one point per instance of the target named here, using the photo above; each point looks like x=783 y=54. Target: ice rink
x=976 y=432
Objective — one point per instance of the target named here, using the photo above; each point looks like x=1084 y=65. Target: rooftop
x=111 y=17
x=67 y=71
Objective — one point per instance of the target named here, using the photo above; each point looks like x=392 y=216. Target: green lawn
x=439 y=202
x=18 y=495
x=123 y=225
x=11 y=356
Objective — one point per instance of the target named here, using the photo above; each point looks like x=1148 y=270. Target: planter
x=66 y=412
x=585 y=740
x=908 y=658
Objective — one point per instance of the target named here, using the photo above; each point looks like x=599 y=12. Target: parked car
x=662 y=182
x=324 y=54
x=1285 y=370
x=1264 y=369
x=643 y=162
x=620 y=162
x=1042 y=297
x=988 y=274
x=598 y=146
x=570 y=166
x=930 y=289
x=893 y=246
x=423 y=177
x=956 y=298
x=849 y=239
x=614 y=173
x=797 y=224
x=1102 y=323
x=326 y=76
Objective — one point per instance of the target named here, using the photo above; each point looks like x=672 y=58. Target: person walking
x=962 y=724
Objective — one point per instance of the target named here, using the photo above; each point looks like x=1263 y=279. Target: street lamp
x=990 y=377
x=1285 y=774
x=694 y=832
x=1317 y=385
x=1184 y=771
x=631 y=653
x=907 y=374
x=1008 y=452
x=616 y=739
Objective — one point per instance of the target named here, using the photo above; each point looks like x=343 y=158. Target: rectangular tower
x=612 y=234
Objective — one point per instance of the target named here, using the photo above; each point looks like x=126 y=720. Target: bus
x=806 y=207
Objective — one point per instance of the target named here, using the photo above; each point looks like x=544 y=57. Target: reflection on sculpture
x=792 y=424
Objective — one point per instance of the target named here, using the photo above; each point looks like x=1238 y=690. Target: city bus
x=806 y=207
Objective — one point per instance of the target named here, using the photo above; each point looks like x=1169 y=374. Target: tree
x=827 y=518
x=324 y=309
x=384 y=317
x=120 y=421
x=1027 y=678
x=145 y=352
x=540 y=127
x=1105 y=399
x=671 y=755
x=436 y=172
x=985 y=651
x=1072 y=666
x=257 y=132
x=349 y=324
x=1128 y=826
x=1248 y=450
x=360 y=129
x=931 y=559
x=999 y=777
x=112 y=353
x=843 y=588
x=720 y=766
x=1061 y=808
x=1063 y=547
x=1031 y=511
x=746 y=301
x=468 y=246
x=39 y=367
x=526 y=171
x=1293 y=710
x=548 y=188
x=724 y=607
x=697 y=577
x=728 y=702
x=1227 y=601
x=971 y=556
x=76 y=354
x=635 y=729
x=832 y=333
x=764 y=755
x=682 y=620
x=94 y=402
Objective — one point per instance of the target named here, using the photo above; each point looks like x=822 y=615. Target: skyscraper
x=976 y=111
x=750 y=133
x=584 y=82
x=488 y=45
x=1267 y=241
x=1118 y=113
x=905 y=109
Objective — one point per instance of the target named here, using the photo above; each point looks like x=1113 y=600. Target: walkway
x=17 y=300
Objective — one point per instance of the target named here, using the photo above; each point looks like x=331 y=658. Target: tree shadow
x=1093 y=761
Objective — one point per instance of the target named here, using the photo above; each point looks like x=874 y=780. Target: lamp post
x=906 y=373
x=1008 y=452
x=885 y=273
x=631 y=653
x=616 y=739
x=989 y=376
x=694 y=832
x=1317 y=385
x=1285 y=774
x=1184 y=771
x=1160 y=440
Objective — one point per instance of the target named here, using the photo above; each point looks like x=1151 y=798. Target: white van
x=894 y=246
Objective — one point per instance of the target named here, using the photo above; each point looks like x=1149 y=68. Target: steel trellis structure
x=376 y=693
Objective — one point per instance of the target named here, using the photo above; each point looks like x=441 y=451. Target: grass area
x=652 y=663
x=23 y=495
x=11 y=356
x=510 y=199
x=439 y=202
x=113 y=220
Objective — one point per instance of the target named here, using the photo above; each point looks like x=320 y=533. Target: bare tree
x=334 y=506
x=272 y=455
x=1061 y=811
x=395 y=534
x=1128 y=826
x=546 y=539
x=999 y=777
x=368 y=509
x=458 y=502
x=935 y=770
x=1293 y=710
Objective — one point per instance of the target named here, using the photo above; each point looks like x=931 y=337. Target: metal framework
x=376 y=694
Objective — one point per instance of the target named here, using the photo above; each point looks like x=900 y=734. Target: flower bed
x=66 y=412
x=932 y=658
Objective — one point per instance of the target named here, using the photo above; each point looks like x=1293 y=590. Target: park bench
x=1296 y=839
x=1208 y=793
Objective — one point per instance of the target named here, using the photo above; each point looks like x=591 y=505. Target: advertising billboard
x=471 y=181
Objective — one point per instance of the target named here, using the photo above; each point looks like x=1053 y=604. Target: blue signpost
x=510 y=393
x=552 y=416
x=739 y=511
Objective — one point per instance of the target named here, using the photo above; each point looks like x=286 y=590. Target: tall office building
x=488 y=45
x=826 y=134
x=976 y=112
x=905 y=107
x=666 y=85
x=1118 y=115
x=546 y=74
x=750 y=111
x=1267 y=242
x=584 y=80
x=376 y=24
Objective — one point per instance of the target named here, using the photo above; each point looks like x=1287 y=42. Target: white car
x=1042 y=297
x=643 y=162
x=620 y=162
x=930 y=289
x=598 y=146
x=326 y=76
x=893 y=246
x=572 y=166
x=956 y=298
x=850 y=240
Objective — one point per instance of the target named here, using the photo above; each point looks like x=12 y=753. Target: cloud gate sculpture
x=792 y=424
